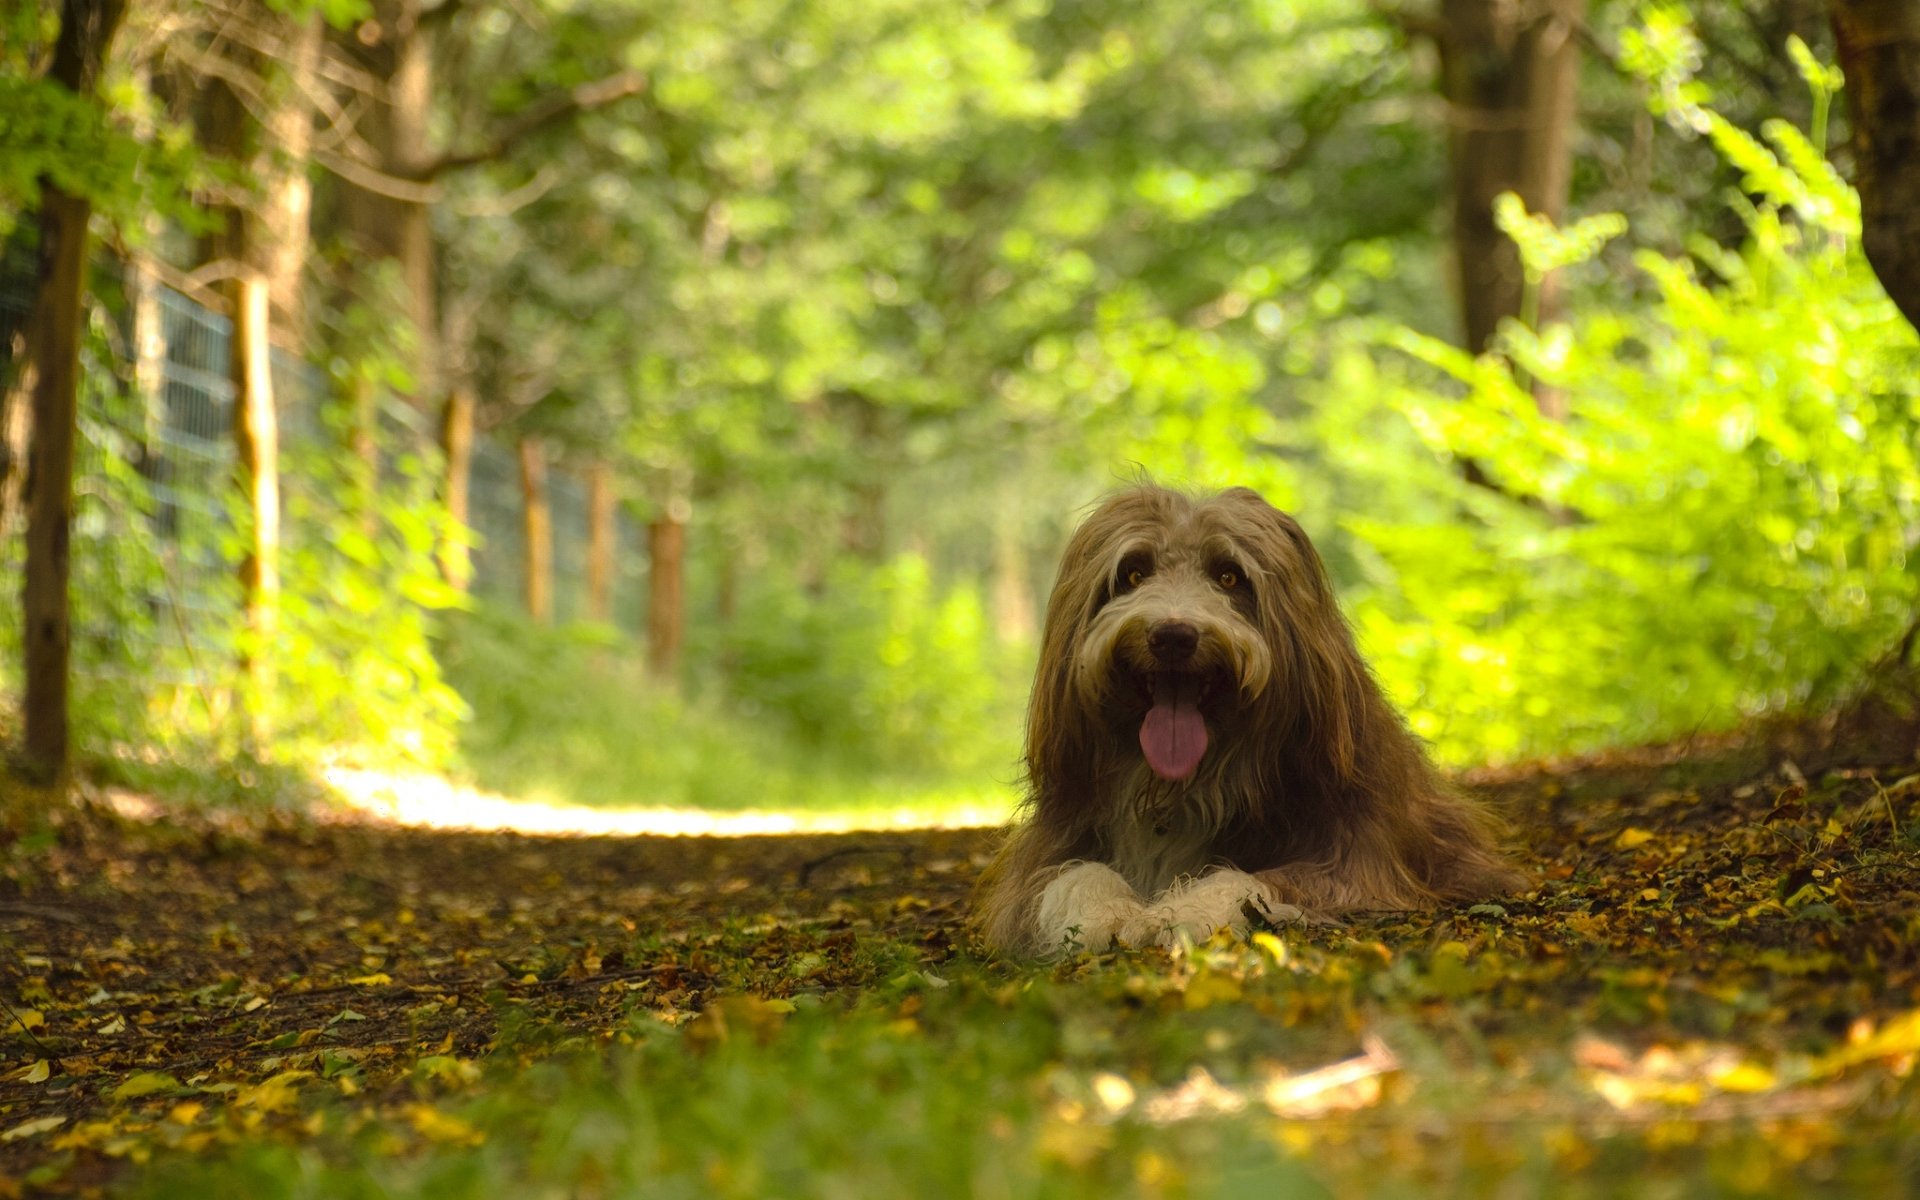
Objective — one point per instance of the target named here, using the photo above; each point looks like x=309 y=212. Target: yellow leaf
x=29 y=1128
x=1114 y=1093
x=117 y=1025
x=1273 y=946
x=25 y=1019
x=144 y=1083
x=1208 y=988
x=1633 y=837
x=34 y=1072
x=434 y=1125
x=377 y=979
x=1747 y=1077
x=276 y=1094
x=1076 y=1144
x=186 y=1112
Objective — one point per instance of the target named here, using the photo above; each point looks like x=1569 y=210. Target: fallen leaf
x=25 y=1019
x=1208 y=988
x=145 y=1083
x=434 y=1125
x=29 y=1128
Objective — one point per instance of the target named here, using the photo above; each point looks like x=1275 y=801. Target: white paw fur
x=1196 y=908
x=1085 y=906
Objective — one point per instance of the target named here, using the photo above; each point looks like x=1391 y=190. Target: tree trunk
x=393 y=225
x=1509 y=73
x=1879 y=45
x=539 y=530
x=55 y=350
x=363 y=447
x=602 y=555
x=53 y=347
x=666 y=592
x=282 y=166
x=16 y=424
x=1014 y=618
x=256 y=441
x=456 y=441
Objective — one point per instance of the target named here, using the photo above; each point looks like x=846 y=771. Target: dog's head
x=1191 y=632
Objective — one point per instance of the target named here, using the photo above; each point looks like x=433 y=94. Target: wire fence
x=174 y=430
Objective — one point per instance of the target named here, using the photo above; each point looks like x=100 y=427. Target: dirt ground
x=214 y=950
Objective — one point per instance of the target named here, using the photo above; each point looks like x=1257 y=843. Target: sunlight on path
x=436 y=803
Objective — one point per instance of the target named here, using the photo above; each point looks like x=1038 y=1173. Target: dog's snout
x=1173 y=641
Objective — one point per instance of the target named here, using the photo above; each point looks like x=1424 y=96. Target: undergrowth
x=569 y=715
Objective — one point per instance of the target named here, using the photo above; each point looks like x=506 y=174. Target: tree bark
x=456 y=441
x=539 y=530
x=16 y=425
x=666 y=592
x=363 y=447
x=87 y=28
x=283 y=166
x=393 y=224
x=256 y=442
x=1879 y=49
x=1014 y=617
x=1509 y=73
x=602 y=554
x=49 y=487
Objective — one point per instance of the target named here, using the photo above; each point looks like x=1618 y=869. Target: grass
x=1126 y=1079
x=569 y=716
x=1711 y=992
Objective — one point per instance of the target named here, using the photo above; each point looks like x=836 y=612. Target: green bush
x=879 y=666
x=1722 y=525
x=158 y=638
x=570 y=715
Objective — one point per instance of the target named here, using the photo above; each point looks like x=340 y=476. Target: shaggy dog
x=1205 y=746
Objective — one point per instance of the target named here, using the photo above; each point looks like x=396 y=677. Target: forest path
x=1749 y=916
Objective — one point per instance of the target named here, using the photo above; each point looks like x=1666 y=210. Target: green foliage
x=116 y=149
x=354 y=653
x=1721 y=526
x=157 y=642
x=879 y=666
x=569 y=715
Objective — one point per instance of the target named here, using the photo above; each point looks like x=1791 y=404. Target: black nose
x=1173 y=641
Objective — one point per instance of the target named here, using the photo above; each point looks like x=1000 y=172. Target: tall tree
x=1510 y=75
x=1879 y=45
x=86 y=34
x=256 y=111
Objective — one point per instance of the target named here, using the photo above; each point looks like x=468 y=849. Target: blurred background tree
x=854 y=309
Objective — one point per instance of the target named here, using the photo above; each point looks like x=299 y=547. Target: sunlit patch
x=131 y=805
x=432 y=802
x=1344 y=1086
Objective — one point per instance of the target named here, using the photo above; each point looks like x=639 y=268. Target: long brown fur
x=1311 y=782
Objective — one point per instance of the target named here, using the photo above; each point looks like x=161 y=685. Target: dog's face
x=1180 y=626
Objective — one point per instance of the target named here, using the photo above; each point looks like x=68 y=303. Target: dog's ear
x=1059 y=740
x=1326 y=683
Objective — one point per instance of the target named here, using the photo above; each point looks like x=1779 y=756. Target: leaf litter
x=1714 y=985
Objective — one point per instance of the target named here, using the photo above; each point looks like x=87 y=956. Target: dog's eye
x=1229 y=579
x=1134 y=578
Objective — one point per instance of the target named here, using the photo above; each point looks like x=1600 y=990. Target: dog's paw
x=1195 y=909
x=1084 y=908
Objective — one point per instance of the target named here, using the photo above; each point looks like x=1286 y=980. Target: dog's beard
x=1178 y=715
x=1173 y=736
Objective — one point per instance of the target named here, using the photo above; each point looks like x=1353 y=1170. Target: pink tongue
x=1174 y=735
